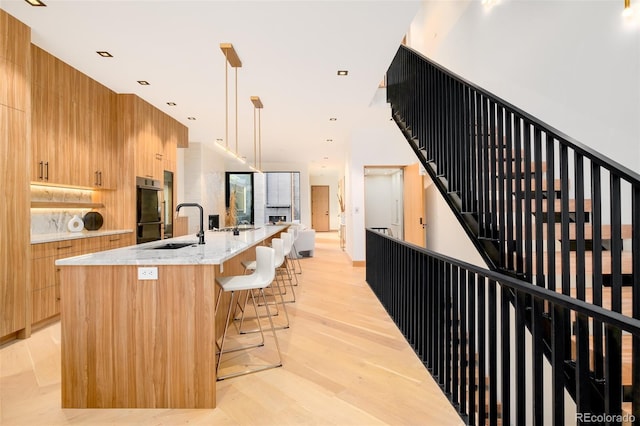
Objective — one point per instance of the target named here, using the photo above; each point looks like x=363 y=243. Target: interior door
x=320 y=208
x=414 y=231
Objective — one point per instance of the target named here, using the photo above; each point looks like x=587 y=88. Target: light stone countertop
x=219 y=246
x=63 y=236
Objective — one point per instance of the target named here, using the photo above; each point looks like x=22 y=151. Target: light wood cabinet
x=153 y=136
x=15 y=39
x=72 y=125
x=45 y=275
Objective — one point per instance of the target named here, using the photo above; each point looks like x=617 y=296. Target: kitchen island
x=138 y=323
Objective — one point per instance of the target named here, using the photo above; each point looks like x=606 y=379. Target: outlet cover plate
x=148 y=273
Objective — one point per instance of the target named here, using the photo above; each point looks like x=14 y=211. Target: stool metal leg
x=273 y=331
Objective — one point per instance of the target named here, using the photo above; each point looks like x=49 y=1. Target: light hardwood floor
x=345 y=363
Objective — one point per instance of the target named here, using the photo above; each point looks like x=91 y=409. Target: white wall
x=573 y=64
x=384 y=202
x=444 y=233
x=383 y=145
x=201 y=180
x=331 y=180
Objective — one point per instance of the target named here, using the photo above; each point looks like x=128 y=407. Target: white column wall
x=383 y=145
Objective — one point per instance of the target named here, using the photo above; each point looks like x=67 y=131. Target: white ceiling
x=290 y=51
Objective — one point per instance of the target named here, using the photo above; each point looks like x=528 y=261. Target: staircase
x=539 y=207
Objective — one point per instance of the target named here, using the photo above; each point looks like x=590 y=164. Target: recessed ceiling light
x=343 y=72
x=143 y=83
x=329 y=140
x=171 y=103
x=104 y=54
x=191 y=118
x=332 y=119
x=35 y=2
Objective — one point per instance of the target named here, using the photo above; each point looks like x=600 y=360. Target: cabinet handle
x=46 y=171
x=41 y=170
x=100 y=174
x=64 y=247
x=95 y=178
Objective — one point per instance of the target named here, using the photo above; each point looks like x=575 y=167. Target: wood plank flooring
x=345 y=363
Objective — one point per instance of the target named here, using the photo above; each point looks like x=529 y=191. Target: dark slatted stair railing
x=493 y=164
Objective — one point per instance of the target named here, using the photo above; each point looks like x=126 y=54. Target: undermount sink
x=239 y=228
x=173 y=246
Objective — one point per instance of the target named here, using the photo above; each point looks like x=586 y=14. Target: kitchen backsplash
x=54 y=220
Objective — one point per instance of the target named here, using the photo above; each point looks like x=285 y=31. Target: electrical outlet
x=148 y=273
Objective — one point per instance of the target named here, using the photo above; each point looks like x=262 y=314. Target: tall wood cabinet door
x=84 y=99
x=39 y=134
x=106 y=154
x=171 y=144
x=14 y=221
x=64 y=153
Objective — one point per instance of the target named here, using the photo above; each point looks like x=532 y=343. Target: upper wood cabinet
x=151 y=135
x=73 y=126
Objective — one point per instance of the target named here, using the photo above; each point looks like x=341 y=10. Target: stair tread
x=626 y=261
x=557 y=205
x=626 y=231
x=557 y=185
x=627 y=359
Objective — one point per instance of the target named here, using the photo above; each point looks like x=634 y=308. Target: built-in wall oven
x=148 y=212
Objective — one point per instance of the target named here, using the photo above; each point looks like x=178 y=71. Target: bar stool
x=295 y=256
x=278 y=246
x=288 y=244
x=259 y=280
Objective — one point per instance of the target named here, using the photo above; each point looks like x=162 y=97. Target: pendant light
x=231 y=60
x=257 y=134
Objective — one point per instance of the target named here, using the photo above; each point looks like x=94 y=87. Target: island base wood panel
x=134 y=344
